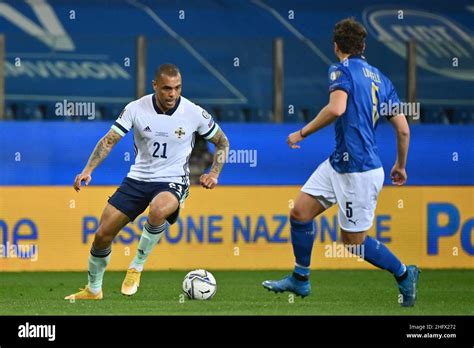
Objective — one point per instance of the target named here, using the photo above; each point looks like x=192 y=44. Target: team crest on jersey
x=179 y=132
x=205 y=114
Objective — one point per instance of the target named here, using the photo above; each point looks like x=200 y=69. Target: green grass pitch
x=440 y=292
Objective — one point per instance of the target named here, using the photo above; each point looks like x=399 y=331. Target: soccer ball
x=199 y=285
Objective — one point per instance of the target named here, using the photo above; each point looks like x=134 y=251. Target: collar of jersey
x=357 y=56
x=160 y=112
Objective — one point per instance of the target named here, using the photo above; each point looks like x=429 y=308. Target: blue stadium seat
x=299 y=115
x=113 y=111
x=108 y=112
x=434 y=115
x=30 y=111
x=216 y=112
x=206 y=107
x=233 y=114
x=260 y=115
x=102 y=112
x=463 y=116
x=10 y=111
x=50 y=114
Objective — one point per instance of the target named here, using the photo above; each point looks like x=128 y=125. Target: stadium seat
x=208 y=108
x=30 y=111
x=463 y=116
x=10 y=111
x=113 y=111
x=102 y=113
x=260 y=115
x=216 y=112
x=299 y=115
x=233 y=114
x=434 y=115
x=50 y=114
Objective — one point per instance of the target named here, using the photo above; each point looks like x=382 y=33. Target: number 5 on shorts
x=348 y=210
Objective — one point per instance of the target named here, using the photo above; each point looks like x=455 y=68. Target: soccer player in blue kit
x=353 y=175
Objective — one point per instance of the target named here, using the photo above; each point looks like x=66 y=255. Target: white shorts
x=355 y=193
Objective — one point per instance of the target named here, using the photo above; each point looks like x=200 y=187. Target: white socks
x=98 y=261
x=150 y=236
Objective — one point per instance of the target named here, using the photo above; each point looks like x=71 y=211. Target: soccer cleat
x=408 y=285
x=131 y=282
x=298 y=287
x=85 y=294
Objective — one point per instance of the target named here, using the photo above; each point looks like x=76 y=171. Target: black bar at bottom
x=375 y=330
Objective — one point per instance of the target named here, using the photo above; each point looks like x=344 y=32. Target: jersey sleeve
x=207 y=127
x=124 y=122
x=339 y=79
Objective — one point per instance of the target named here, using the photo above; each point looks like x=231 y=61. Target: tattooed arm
x=221 y=142
x=101 y=150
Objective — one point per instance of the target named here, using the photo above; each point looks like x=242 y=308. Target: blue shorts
x=133 y=196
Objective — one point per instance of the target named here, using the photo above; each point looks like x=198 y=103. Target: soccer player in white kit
x=164 y=128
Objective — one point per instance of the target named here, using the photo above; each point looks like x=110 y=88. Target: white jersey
x=163 y=141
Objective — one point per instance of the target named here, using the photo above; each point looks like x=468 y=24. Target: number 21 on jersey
x=155 y=153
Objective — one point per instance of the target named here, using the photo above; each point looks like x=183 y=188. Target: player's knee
x=102 y=238
x=352 y=238
x=298 y=214
x=157 y=214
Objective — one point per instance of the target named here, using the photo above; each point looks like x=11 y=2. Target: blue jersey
x=368 y=91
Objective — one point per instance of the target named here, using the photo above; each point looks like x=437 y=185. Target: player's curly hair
x=350 y=36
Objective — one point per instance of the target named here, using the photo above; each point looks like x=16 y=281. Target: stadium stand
x=224 y=49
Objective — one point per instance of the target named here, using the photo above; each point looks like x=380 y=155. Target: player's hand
x=293 y=139
x=398 y=175
x=80 y=178
x=209 y=181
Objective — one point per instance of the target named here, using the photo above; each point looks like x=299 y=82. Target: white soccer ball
x=199 y=285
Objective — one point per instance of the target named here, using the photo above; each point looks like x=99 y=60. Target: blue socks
x=374 y=252
x=302 y=239
x=380 y=256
